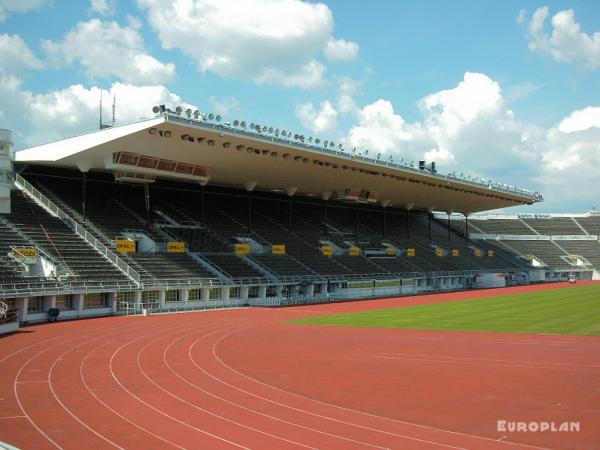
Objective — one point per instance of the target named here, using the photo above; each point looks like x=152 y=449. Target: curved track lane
x=244 y=379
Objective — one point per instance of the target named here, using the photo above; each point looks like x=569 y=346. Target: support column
x=467 y=226
x=449 y=229
x=429 y=224
x=407 y=224
x=205 y=294
x=249 y=186
x=202 y=204
x=326 y=196
x=326 y=227
x=137 y=300
x=383 y=225
x=310 y=290
x=49 y=301
x=78 y=303
x=83 y=194
x=162 y=294
x=244 y=292
x=112 y=301
x=262 y=292
x=290 y=215
x=23 y=305
x=356 y=223
x=184 y=295
x=147 y=201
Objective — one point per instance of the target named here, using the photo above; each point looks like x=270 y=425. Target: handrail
x=81 y=231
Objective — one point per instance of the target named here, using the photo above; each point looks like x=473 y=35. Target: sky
x=507 y=91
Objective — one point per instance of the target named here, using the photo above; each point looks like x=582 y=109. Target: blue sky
x=504 y=90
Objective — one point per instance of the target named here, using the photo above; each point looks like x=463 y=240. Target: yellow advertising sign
x=176 y=247
x=27 y=252
x=125 y=246
x=278 y=249
x=327 y=250
x=455 y=252
x=242 y=249
x=477 y=253
x=490 y=252
x=411 y=252
x=354 y=251
x=390 y=251
x=439 y=252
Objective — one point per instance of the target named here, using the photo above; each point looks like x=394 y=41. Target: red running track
x=247 y=379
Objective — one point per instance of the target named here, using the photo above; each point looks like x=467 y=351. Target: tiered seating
x=201 y=240
x=162 y=266
x=591 y=224
x=233 y=265
x=501 y=226
x=58 y=240
x=282 y=265
x=554 y=226
x=545 y=251
x=359 y=264
x=590 y=250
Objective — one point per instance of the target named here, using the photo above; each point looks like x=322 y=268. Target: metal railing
x=81 y=231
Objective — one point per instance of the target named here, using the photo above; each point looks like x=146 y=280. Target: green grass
x=572 y=310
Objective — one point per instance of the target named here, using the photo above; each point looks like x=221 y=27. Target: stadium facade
x=184 y=211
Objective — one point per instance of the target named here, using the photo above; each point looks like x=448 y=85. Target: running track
x=246 y=379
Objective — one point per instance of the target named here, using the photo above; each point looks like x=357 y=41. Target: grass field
x=572 y=310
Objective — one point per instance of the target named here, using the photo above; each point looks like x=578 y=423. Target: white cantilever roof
x=236 y=157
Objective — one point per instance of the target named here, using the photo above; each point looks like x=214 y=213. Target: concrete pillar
x=137 y=298
x=78 y=302
x=244 y=292
x=278 y=290
x=22 y=304
x=162 y=295
x=205 y=294
x=112 y=301
x=323 y=288
x=262 y=292
x=49 y=301
x=184 y=295
x=225 y=293
x=310 y=290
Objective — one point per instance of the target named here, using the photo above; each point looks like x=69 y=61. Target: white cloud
x=340 y=50
x=581 y=120
x=103 y=7
x=567 y=43
x=225 y=106
x=267 y=41
x=322 y=120
x=39 y=118
x=521 y=17
x=19 y=7
x=106 y=49
x=380 y=129
x=16 y=57
x=309 y=76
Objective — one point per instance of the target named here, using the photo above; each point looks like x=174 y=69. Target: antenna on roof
x=100 y=123
x=114 y=107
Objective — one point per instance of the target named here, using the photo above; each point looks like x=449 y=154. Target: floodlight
x=310 y=139
x=332 y=144
x=218 y=118
x=264 y=129
x=243 y=124
x=188 y=112
x=317 y=141
x=196 y=114
x=325 y=143
x=236 y=123
x=178 y=110
x=155 y=109
x=211 y=116
x=258 y=127
x=270 y=129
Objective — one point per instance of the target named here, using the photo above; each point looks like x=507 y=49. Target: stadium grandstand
x=186 y=211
